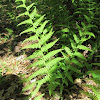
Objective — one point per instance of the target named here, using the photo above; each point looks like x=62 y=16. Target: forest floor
x=13 y=65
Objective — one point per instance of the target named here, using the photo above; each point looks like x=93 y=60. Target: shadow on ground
x=10 y=88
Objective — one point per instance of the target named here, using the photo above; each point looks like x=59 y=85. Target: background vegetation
x=63 y=37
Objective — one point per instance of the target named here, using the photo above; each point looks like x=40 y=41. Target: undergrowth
x=95 y=95
x=60 y=60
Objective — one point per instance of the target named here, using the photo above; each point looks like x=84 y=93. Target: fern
x=78 y=33
x=74 y=60
x=46 y=65
x=96 y=79
x=76 y=45
x=74 y=35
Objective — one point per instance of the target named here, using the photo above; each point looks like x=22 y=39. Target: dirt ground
x=13 y=65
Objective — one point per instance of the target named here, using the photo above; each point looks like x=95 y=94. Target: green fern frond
x=20 y=6
x=42 y=81
x=28 y=21
x=25 y=13
x=52 y=62
x=45 y=37
x=49 y=45
x=38 y=21
x=82 y=47
x=98 y=64
x=74 y=69
x=57 y=69
x=42 y=35
x=73 y=45
x=95 y=73
x=76 y=38
x=39 y=62
x=41 y=28
x=30 y=6
x=79 y=55
x=68 y=50
x=76 y=62
x=31 y=38
x=89 y=33
x=29 y=86
x=51 y=54
x=96 y=79
x=32 y=29
x=33 y=13
x=69 y=76
x=37 y=53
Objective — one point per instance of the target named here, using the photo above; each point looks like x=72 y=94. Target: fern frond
x=76 y=62
x=38 y=21
x=51 y=54
x=56 y=69
x=96 y=79
x=20 y=6
x=30 y=6
x=76 y=38
x=42 y=81
x=32 y=29
x=25 y=13
x=31 y=38
x=79 y=55
x=49 y=45
x=74 y=69
x=33 y=13
x=44 y=38
x=89 y=33
x=28 y=21
x=52 y=62
x=82 y=47
x=41 y=28
x=95 y=73
x=68 y=50
x=37 y=53
x=42 y=35
x=39 y=62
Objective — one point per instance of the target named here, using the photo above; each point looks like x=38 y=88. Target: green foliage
x=41 y=35
x=8 y=13
x=74 y=33
x=96 y=79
